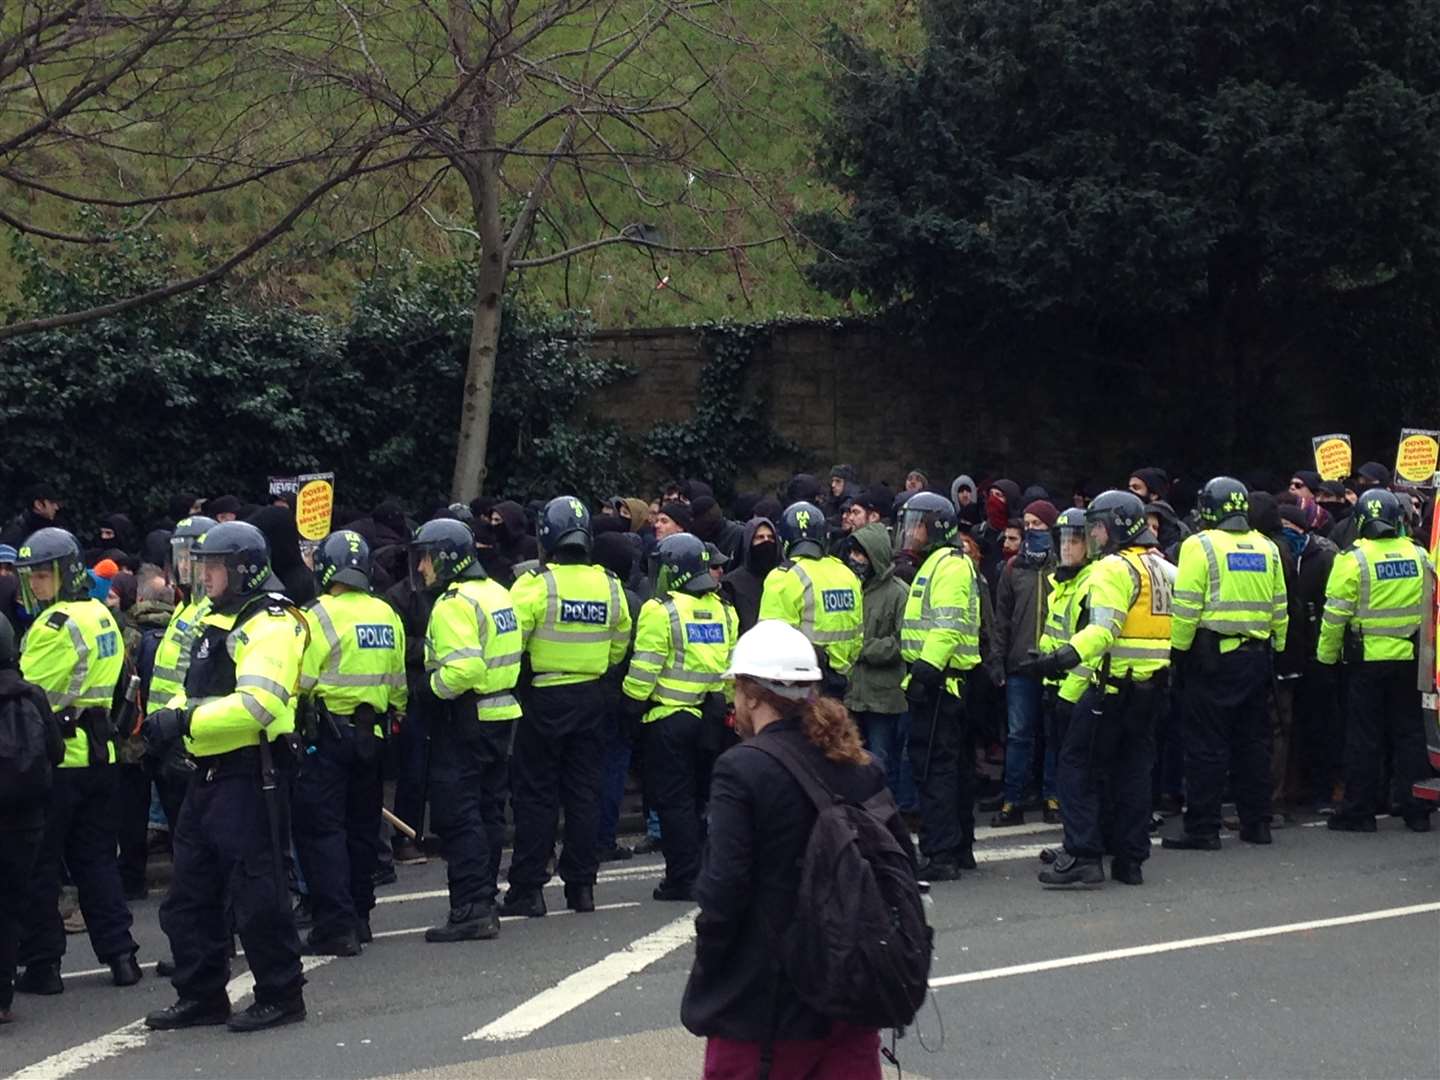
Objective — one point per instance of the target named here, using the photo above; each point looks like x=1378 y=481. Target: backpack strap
x=799 y=769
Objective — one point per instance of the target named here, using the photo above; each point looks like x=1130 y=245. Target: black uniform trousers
x=18 y=848
x=223 y=854
x=677 y=766
x=943 y=760
x=558 y=760
x=1102 y=774
x=337 y=800
x=469 y=772
x=1384 y=707
x=1227 y=731
x=79 y=829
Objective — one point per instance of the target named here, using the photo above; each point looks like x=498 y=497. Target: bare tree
x=607 y=106
x=128 y=110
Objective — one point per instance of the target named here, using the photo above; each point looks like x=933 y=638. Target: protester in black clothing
x=22 y=820
x=743 y=585
x=278 y=525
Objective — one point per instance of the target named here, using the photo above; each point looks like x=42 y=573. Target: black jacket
x=1021 y=600
x=760 y=821
x=12 y=686
x=743 y=585
x=1307 y=596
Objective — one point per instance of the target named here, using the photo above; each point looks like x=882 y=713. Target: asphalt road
x=1316 y=957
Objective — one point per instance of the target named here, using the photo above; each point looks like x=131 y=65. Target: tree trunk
x=479 y=391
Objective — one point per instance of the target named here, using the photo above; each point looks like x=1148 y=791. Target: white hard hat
x=778 y=656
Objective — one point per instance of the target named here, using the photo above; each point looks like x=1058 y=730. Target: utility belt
x=1206 y=650
x=99 y=731
x=244 y=761
x=319 y=726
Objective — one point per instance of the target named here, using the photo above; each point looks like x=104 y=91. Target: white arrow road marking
x=575 y=990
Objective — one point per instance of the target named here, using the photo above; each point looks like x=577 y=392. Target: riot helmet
x=242 y=552
x=1379 y=514
x=1114 y=520
x=51 y=570
x=184 y=571
x=1070 y=541
x=802 y=531
x=343 y=558
x=1225 y=504
x=443 y=552
x=564 y=523
x=684 y=565
x=926 y=523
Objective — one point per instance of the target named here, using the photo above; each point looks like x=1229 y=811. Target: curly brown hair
x=827 y=723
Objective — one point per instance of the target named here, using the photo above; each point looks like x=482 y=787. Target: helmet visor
x=1074 y=545
x=426 y=567
x=184 y=570
x=914 y=531
x=213 y=576
x=39 y=585
x=1097 y=538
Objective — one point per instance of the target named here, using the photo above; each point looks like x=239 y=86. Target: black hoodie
x=278 y=525
x=743 y=585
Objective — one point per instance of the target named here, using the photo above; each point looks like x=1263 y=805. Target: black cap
x=1375 y=473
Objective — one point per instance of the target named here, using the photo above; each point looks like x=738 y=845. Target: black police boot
x=1069 y=872
x=933 y=870
x=41 y=979
x=671 y=890
x=343 y=945
x=124 y=971
x=164 y=968
x=1257 y=832
x=527 y=902
x=1418 y=822
x=188 y=1012
x=616 y=853
x=1125 y=872
x=259 y=1016
x=384 y=875
x=473 y=922
x=366 y=937
x=1351 y=824
x=1009 y=814
x=580 y=898
x=1191 y=842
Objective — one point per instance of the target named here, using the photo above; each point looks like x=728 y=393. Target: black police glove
x=1049 y=664
x=1179 y=665
x=926 y=681
x=165 y=726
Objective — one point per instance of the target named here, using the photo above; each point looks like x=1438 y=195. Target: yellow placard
x=313 y=506
x=1417 y=456
x=1332 y=456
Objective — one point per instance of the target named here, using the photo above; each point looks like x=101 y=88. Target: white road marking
x=575 y=990
x=381 y=934
x=130 y=1037
x=503 y=919
x=1185 y=943
x=644 y=870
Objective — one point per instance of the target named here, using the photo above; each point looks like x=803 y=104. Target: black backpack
x=858 y=949
x=24 y=764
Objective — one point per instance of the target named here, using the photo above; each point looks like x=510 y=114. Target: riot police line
x=263 y=721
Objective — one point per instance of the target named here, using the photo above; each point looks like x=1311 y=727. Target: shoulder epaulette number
x=57 y=620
